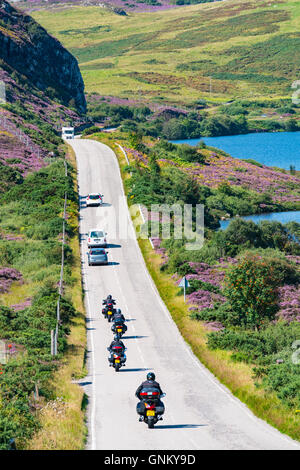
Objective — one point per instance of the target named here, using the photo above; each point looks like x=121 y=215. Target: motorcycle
x=117 y=357
x=108 y=312
x=119 y=328
x=150 y=408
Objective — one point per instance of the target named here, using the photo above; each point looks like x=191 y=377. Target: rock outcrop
x=27 y=48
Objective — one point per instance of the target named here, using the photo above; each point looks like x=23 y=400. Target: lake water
x=283 y=217
x=280 y=149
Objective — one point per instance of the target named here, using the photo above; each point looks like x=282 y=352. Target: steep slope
x=38 y=78
x=27 y=47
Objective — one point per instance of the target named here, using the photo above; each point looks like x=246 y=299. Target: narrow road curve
x=200 y=412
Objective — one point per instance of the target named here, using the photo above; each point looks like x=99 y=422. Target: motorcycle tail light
x=150 y=407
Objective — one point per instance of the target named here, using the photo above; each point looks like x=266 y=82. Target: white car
x=94 y=199
x=96 y=238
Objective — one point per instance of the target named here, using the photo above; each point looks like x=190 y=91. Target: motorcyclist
x=149 y=384
x=114 y=347
x=118 y=319
x=108 y=300
x=118 y=316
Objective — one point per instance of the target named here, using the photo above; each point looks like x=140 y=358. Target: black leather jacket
x=108 y=301
x=149 y=384
x=118 y=317
x=117 y=343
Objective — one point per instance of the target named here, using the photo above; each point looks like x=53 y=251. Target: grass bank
x=41 y=405
x=63 y=420
x=238 y=377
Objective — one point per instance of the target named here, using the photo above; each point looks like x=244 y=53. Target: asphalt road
x=200 y=412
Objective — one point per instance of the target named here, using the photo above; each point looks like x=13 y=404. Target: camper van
x=67 y=133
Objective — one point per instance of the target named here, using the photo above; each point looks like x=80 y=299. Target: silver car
x=97 y=256
x=96 y=238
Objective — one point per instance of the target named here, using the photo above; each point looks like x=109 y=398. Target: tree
x=189 y=153
x=174 y=129
x=225 y=188
x=291 y=125
x=274 y=234
x=135 y=140
x=251 y=289
x=241 y=232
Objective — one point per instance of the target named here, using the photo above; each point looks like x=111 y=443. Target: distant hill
x=233 y=49
x=118 y=6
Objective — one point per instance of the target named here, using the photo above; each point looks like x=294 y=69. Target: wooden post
x=52 y=342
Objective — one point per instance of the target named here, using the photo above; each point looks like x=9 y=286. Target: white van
x=67 y=133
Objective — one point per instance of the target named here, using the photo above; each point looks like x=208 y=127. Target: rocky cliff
x=28 y=49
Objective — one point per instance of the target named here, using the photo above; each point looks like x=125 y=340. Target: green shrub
x=9 y=176
x=33 y=208
x=263 y=346
x=90 y=130
x=251 y=290
x=284 y=379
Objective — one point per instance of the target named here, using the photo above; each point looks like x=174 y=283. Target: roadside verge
x=63 y=420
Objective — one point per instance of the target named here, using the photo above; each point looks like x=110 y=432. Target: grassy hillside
x=217 y=51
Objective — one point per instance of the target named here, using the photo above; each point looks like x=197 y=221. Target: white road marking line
x=93 y=412
x=93 y=398
x=128 y=314
x=147 y=272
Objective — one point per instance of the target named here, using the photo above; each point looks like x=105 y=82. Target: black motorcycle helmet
x=151 y=376
x=109 y=297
